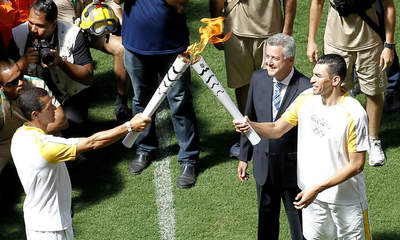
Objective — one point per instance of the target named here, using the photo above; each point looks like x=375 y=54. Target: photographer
x=55 y=51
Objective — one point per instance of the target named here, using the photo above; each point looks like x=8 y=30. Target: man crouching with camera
x=56 y=52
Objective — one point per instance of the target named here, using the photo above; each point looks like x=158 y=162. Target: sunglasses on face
x=14 y=82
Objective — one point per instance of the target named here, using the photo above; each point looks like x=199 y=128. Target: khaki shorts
x=366 y=63
x=243 y=56
x=330 y=221
x=66 y=234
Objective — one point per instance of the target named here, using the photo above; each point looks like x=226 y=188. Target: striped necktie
x=276 y=98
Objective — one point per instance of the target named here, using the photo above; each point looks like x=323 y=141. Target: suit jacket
x=275 y=160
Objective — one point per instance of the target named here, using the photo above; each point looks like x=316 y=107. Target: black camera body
x=43 y=47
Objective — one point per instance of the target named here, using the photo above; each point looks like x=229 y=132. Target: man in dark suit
x=271 y=92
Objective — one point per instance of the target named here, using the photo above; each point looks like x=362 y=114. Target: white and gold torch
x=207 y=34
x=175 y=72
x=210 y=34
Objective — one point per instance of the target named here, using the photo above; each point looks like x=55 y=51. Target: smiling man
x=332 y=142
x=271 y=91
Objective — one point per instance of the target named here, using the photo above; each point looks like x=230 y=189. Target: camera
x=43 y=47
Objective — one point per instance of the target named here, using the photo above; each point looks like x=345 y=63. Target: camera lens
x=47 y=58
x=45 y=54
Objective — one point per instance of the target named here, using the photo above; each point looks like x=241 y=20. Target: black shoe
x=122 y=113
x=139 y=162
x=187 y=179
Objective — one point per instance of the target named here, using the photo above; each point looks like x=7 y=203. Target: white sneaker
x=376 y=155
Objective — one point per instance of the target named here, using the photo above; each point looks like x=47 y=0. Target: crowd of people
x=307 y=125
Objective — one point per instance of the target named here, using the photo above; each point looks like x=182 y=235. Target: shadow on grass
x=390 y=130
x=11 y=219
x=215 y=150
x=94 y=175
x=386 y=235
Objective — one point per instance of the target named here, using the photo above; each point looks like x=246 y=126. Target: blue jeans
x=146 y=72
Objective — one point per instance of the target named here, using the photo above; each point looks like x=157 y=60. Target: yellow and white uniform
x=39 y=159
x=326 y=135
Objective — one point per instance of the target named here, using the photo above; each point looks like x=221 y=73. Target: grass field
x=111 y=203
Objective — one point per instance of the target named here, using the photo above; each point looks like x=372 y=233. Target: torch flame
x=211 y=33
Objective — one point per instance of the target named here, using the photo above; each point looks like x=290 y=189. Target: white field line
x=162 y=179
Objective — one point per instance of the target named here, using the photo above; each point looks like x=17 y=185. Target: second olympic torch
x=208 y=77
x=175 y=72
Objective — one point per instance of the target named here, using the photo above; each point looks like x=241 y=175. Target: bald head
x=11 y=78
x=6 y=65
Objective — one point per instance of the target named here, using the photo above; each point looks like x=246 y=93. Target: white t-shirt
x=326 y=134
x=39 y=159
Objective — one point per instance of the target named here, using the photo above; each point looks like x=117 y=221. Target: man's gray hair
x=287 y=42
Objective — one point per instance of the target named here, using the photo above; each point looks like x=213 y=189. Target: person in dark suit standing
x=271 y=92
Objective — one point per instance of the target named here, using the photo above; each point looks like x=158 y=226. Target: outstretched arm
x=271 y=130
x=354 y=167
x=107 y=137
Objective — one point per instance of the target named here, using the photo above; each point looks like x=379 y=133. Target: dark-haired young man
x=332 y=142
x=360 y=45
x=71 y=70
x=39 y=159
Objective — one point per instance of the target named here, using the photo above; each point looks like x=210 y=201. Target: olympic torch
x=208 y=77
x=211 y=34
x=174 y=73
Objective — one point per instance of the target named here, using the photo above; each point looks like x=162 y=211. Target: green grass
x=111 y=203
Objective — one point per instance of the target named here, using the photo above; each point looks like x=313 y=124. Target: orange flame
x=211 y=33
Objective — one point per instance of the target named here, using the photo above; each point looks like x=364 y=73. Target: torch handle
x=253 y=136
x=130 y=139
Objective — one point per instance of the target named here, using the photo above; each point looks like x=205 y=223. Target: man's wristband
x=389 y=45
x=128 y=126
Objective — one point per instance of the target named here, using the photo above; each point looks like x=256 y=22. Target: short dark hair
x=29 y=101
x=336 y=65
x=48 y=7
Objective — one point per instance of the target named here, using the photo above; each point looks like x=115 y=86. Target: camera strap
x=228 y=6
x=373 y=25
